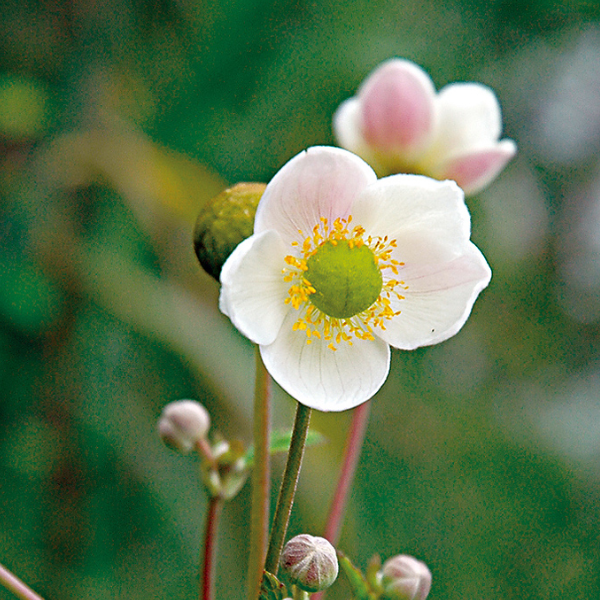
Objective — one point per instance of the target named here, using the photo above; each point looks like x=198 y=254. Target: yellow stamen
x=311 y=319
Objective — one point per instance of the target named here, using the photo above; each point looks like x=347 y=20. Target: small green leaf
x=357 y=581
x=373 y=568
x=271 y=588
x=280 y=442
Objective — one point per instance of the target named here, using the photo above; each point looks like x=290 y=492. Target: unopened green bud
x=183 y=424
x=310 y=562
x=405 y=578
x=224 y=222
x=226 y=474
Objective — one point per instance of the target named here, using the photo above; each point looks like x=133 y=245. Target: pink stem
x=207 y=586
x=354 y=443
x=261 y=478
x=16 y=586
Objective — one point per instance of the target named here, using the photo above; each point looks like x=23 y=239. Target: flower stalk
x=259 y=526
x=288 y=488
x=352 y=450
x=354 y=443
x=13 y=584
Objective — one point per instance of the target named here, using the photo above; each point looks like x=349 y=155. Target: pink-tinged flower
x=399 y=124
x=342 y=265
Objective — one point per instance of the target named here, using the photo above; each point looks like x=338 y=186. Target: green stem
x=13 y=584
x=299 y=594
x=259 y=526
x=288 y=488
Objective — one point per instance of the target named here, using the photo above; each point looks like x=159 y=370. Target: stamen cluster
x=315 y=322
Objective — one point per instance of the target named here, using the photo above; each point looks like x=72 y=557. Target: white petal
x=438 y=300
x=253 y=291
x=322 y=378
x=423 y=216
x=346 y=126
x=319 y=182
x=348 y=134
x=469 y=119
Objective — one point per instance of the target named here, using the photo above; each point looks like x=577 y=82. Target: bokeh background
x=118 y=120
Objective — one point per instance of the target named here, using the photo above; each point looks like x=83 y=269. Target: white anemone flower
x=399 y=124
x=342 y=265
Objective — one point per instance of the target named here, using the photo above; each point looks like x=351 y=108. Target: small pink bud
x=183 y=424
x=310 y=562
x=405 y=578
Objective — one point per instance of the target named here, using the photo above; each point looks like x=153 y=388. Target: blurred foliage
x=118 y=121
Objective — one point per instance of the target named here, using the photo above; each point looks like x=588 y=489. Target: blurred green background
x=118 y=120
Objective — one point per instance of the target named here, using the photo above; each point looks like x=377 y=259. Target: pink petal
x=476 y=170
x=319 y=182
x=397 y=107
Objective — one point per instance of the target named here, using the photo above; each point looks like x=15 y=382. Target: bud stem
x=288 y=488
x=259 y=526
x=205 y=451
x=13 y=584
x=207 y=584
x=300 y=594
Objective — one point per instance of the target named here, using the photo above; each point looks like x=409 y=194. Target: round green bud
x=183 y=424
x=346 y=278
x=223 y=223
x=310 y=563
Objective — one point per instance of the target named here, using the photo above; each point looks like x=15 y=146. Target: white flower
x=341 y=266
x=398 y=124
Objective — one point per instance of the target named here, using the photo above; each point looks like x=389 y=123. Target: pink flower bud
x=183 y=424
x=405 y=578
x=310 y=562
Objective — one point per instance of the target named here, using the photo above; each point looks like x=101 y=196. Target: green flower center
x=345 y=277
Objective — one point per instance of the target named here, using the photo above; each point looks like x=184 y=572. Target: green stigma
x=345 y=277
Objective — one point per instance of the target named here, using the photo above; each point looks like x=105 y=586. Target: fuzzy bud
x=310 y=562
x=405 y=578
x=183 y=424
x=223 y=223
